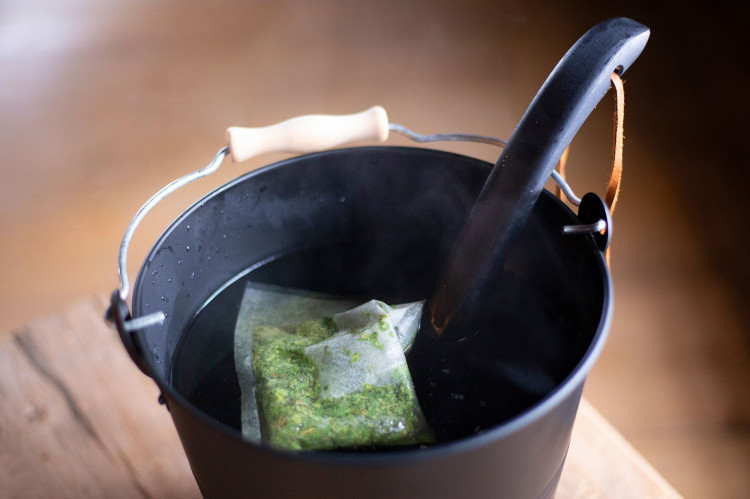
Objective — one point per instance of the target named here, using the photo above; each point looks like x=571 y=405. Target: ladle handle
x=572 y=90
x=310 y=133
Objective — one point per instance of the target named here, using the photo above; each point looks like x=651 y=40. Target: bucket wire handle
x=301 y=134
x=297 y=135
x=156 y=317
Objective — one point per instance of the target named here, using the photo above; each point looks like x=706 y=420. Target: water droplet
x=153 y=281
x=169 y=280
x=342 y=199
x=154 y=272
x=192 y=275
x=224 y=236
x=188 y=227
x=187 y=248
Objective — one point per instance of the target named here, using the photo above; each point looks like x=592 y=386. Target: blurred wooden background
x=103 y=103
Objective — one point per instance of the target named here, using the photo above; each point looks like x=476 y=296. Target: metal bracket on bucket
x=118 y=315
x=596 y=218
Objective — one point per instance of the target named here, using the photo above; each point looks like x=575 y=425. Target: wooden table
x=77 y=419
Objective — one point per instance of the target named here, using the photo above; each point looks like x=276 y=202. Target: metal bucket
x=503 y=402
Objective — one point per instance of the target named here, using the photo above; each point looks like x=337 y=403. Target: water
x=520 y=353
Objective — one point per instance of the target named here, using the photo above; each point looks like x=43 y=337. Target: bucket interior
x=373 y=223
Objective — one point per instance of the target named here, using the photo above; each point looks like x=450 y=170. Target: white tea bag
x=319 y=372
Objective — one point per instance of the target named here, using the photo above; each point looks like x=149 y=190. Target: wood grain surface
x=78 y=419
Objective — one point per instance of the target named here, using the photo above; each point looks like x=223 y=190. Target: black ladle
x=572 y=90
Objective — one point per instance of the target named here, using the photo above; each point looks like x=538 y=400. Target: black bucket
x=552 y=311
x=379 y=222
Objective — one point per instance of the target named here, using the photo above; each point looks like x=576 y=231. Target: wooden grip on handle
x=308 y=133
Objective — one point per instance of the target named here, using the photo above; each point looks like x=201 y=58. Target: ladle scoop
x=570 y=93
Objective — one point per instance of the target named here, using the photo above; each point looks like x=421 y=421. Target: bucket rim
x=572 y=382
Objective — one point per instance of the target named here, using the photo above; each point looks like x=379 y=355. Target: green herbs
x=372 y=337
x=354 y=357
x=336 y=382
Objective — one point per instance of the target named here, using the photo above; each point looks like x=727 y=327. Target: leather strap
x=615 y=177
x=613 y=188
